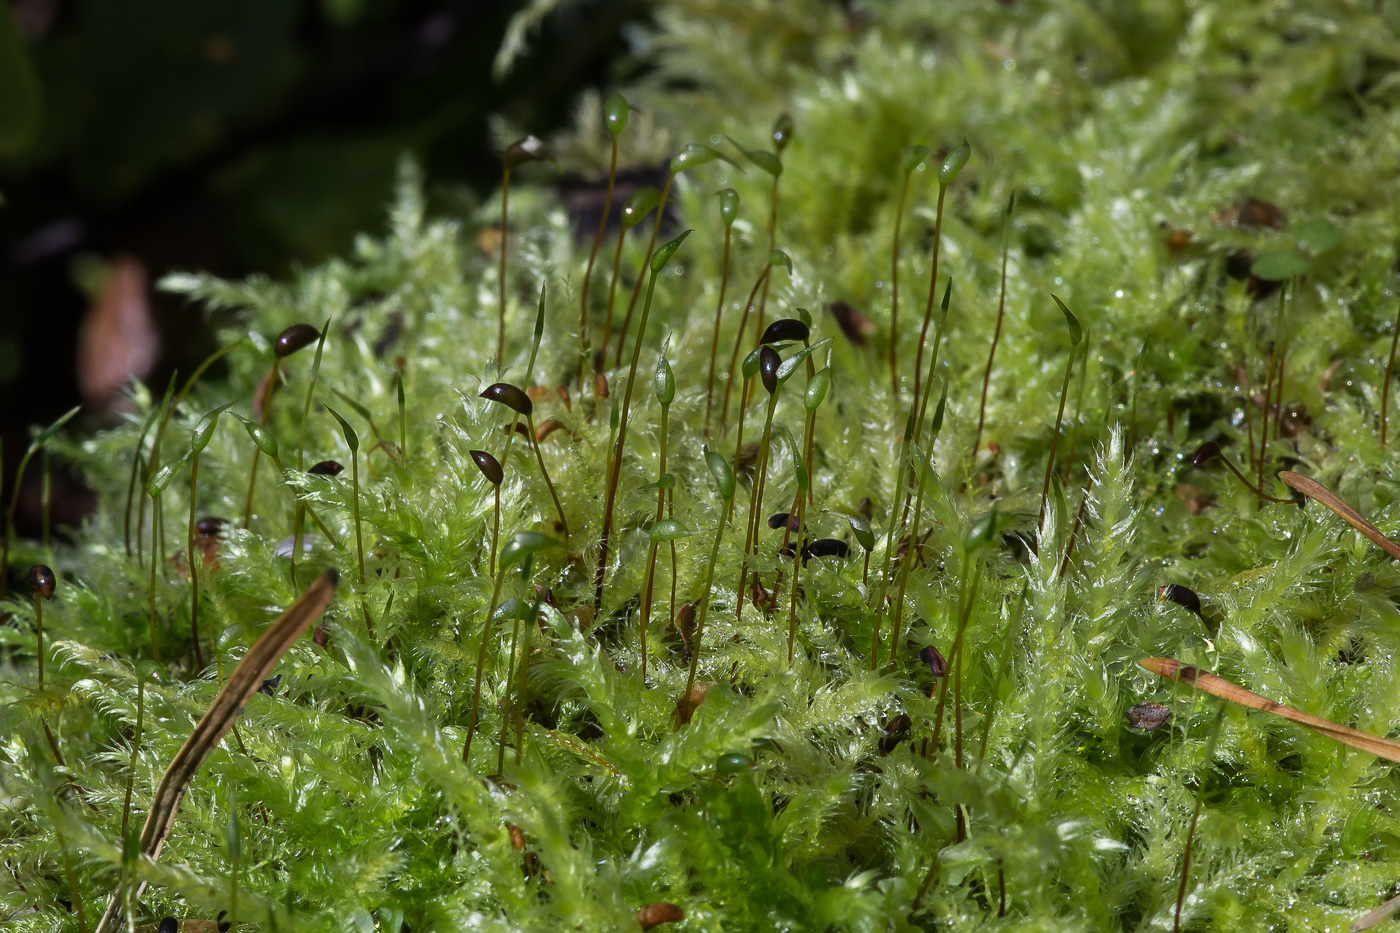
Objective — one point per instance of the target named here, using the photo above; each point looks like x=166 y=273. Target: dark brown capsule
x=1176 y=593
x=856 y=326
x=896 y=731
x=513 y=397
x=210 y=526
x=937 y=664
x=519 y=429
x=827 y=547
x=294 y=338
x=326 y=468
x=659 y=913
x=784 y=330
x=270 y=685
x=321 y=636
x=685 y=625
x=1148 y=716
x=784 y=518
x=42 y=580
x=529 y=149
x=168 y=925
x=1205 y=453
x=222 y=922
x=489 y=466
x=768 y=363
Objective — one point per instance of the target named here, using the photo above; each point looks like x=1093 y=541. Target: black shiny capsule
x=42 y=580
x=327 y=468
x=1183 y=597
x=784 y=518
x=937 y=665
x=768 y=363
x=896 y=731
x=222 y=922
x=293 y=339
x=827 y=547
x=168 y=925
x=210 y=526
x=1205 y=453
x=1148 y=716
x=785 y=329
x=489 y=466
x=270 y=685
x=513 y=397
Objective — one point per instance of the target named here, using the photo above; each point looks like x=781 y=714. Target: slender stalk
x=135 y=747
x=481 y=667
x=39 y=629
x=925 y=465
x=505 y=238
x=310 y=391
x=894 y=292
x=734 y=356
x=755 y=505
x=612 y=290
x=996 y=334
x=72 y=879
x=890 y=540
x=1078 y=520
x=588 y=270
x=195 y=566
x=1078 y=411
x=510 y=687
x=719 y=312
x=738 y=437
x=1054 y=441
x=257 y=451
x=1195 y=816
x=522 y=682
x=495 y=529
x=932 y=293
x=155 y=520
x=955 y=658
x=1283 y=362
x=1248 y=414
x=1269 y=393
x=615 y=469
x=359 y=541
x=703 y=602
x=44 y=491
x=798 y=509
x=772 y=245
x=651 y=550
x=646 y=260
x=1389 y=370
x=539 y=458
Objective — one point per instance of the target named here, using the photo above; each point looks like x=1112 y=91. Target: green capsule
x=723 y=475
x=1076 y=333
x=816 y=390
x=164 y=475
x=639 y=205
x=954 y=163
x=351 y=438
x=780 y=258
x=668 y=529
x=204 y=431
x=861 y=529
x=615 y=110
x=665 y=382
x=261 y=436
x=782 y=131
x=526 y=544
x=914 y=156
x=728 y=206
x=749 y=369
x=665 y=251
x=733 y=764
x=696 y=154
x=938 y=412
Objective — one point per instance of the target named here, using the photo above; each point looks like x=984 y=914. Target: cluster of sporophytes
x=690 y=572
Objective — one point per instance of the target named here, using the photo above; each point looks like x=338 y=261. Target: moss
x=1122 y=128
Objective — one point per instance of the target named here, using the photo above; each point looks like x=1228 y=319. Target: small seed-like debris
x=294 y=338
x=759 y=595
x=685 y=709
x=784 y=330
x=856 y=326
x=827 y=547
x=1176 y=593
x=513 y=397
x=896 y=731
x=42 y=580
x=654 y=914
x=326 y=468
x=517 y=836
x=1148 y=716
x=600 y=385
x=1205 y=453
x=784 y=518
x=489 y=466
x=768 y=363
x=937 y=664
x=1252 y=214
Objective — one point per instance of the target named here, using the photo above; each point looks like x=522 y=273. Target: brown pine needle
x=1320 y=493
x=245 y=680
x=1225 y=690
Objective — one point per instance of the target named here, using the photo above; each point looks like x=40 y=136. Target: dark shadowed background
x=233 y=136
